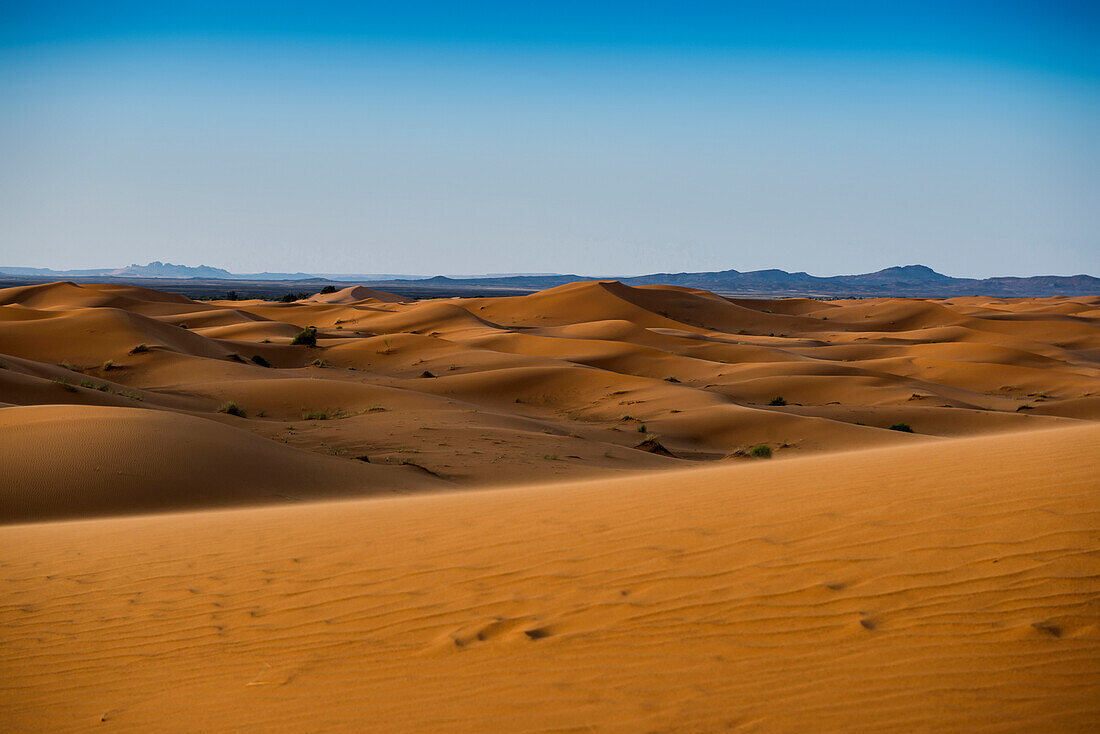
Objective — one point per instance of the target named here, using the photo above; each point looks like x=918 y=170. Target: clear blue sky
x=587 y=137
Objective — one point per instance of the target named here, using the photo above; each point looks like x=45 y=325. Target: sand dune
x=942 y=586
x=355 y=294
x=921 y=555
x=78 y=461
x=606 y=366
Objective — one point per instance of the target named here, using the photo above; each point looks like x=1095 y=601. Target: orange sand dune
x=77 y=461
x=581 y=380
x=949 y=585
x=354 y=294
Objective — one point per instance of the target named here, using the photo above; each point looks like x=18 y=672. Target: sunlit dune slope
x=587 y=379
x=946 y=586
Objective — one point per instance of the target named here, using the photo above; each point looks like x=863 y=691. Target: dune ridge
x=586 y=379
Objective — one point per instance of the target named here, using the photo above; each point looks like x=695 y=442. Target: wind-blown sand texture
x=866 y=579
x=943 y=586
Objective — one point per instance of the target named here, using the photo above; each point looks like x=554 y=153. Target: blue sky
x=599 y=138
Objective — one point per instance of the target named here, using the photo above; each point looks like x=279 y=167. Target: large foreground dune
x=943 y=586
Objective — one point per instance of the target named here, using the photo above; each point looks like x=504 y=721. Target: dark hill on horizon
x=912 y=281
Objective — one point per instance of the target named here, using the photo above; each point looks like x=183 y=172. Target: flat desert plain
x=552 y=512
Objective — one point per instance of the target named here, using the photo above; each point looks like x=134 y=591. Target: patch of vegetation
x=550 y=457
x=778 y=400
x=260 y=360
x=232 y=296
x=320 y=363
x=307 y=337
x=328 y=289
x=128 y=394
x=292 y=297
x=763 y=451
x=232 y=408
x=65 y=384
x=641 y=428
x=671 y=379
x=68 y=365
x=903 y=427
x=316 y=415
x=3 y=366
x=139 y=349
x=101 y=386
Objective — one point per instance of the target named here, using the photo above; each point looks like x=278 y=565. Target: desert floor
x=634 y=567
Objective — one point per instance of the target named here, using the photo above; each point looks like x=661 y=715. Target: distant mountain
x=49 y=273
x=157 y=269
x=904 y=281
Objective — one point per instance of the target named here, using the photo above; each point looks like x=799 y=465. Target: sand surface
x=542 y=513
x=947 y=586
x=580 y=381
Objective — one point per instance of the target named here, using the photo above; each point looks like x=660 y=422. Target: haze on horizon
x=554 y=137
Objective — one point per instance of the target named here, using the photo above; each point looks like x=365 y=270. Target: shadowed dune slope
x=73 y=461
x=945 y=586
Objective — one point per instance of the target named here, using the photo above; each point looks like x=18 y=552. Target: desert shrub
x=778 y=400
x=108 y=365
x=671 y=379
x=316 y=415
x=260 y=360
x=763 y=451
x=288 y=298
x=131 y=395
x=320 y=363
x=101 y=386
x=65 y=384
x=139 y=349
x=307 y=336
x=641 y=428
x=903 y=427
x=232 y=408
x=328 y=289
